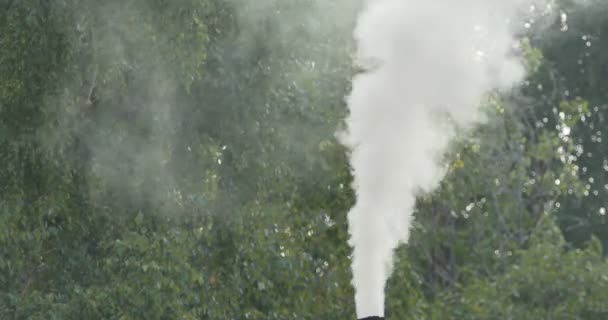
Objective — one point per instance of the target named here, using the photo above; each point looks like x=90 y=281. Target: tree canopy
x=178 y=160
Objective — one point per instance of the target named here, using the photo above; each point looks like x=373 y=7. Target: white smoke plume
x=423 y=59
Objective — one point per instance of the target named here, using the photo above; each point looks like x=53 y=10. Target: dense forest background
x=177 y=160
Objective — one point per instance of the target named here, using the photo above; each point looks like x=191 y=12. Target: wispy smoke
x=424 y=61
x=116 y=117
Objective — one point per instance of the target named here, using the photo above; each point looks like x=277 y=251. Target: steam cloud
x=423 y=60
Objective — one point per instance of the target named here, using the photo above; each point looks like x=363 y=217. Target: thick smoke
x=424 y=61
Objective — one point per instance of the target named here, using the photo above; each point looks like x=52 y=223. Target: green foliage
x=177 y=160
x=575 y=72
x=545 y=282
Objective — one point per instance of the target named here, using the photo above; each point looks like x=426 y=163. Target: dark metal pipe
x=373 y=318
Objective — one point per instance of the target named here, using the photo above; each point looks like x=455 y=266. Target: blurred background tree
x=177 y=160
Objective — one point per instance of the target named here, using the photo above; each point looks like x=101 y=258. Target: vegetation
x=177 y=160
